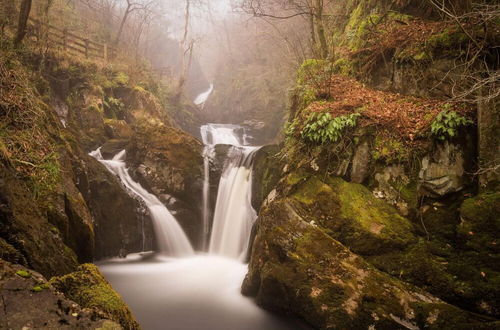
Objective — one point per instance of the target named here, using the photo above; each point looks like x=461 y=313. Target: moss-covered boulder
x=480 y=226
x=27 y=300
x=169 y=163
x=296 y=267
x=88 y=288
x=351 y=214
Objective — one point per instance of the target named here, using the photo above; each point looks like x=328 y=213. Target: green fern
x=323 y=128
x=446 y=125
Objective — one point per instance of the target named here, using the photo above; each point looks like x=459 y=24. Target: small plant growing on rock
x=447 y=123
x=323 y=128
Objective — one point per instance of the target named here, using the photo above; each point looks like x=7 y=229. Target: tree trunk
x=320 y=29
x=122 y=24
x=24 y=14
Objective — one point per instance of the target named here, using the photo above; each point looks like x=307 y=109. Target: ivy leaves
x=446 y=124
x=323 y=128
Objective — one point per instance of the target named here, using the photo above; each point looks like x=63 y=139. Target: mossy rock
x=27 y=299
x=352 y=215
x=88 y=288
x=480 y=227
x=266 y=173
x=296 y=267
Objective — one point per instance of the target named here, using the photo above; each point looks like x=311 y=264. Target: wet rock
x=351 y=214
x=296 y=267
x=266 y=174
x=122 y=224
x=441 y=173
x=166 y=160
x=113 y=147
x=88 y=288
x=28 y=301
x=480 y=223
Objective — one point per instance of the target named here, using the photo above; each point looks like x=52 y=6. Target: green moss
x=422 y=56
x=39 y=288
x=351 y=214
x=88 y=288
x=344 y=66
x=390 y=150
x=295 y=177
x=121 y=79
x=480 y=222
x=23 y=273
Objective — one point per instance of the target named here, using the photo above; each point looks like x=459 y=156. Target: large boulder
x=169 y=163
x=28 y=301
x=297 y=267
x=351 y=214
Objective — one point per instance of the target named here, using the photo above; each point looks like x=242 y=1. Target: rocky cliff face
x=366 y=194
x=59 y=206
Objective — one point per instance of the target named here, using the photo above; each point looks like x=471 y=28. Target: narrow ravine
x=179 y=290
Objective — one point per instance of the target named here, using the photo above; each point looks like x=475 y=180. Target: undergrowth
x=323 y=128
x=447 y=123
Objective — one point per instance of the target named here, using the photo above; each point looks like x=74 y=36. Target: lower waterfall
x=170 y=237
x=200 y=291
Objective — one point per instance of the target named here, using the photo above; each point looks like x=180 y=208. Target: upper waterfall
x=203 y=97
x=170 y=237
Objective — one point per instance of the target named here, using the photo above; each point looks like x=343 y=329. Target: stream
x=178 y=288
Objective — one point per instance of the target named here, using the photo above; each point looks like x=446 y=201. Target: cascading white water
x=202 y=292
x=234 y=215
x=203 y=97
x=169 y=234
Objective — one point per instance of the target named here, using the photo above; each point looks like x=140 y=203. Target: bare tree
x=131 y=7
x=311 y=10
x=24 y=14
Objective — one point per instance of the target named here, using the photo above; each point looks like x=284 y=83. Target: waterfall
x=170 y=237
x=203 y=97
x=234 y=214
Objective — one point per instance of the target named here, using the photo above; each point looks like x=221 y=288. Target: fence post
x=105 y=52
x=86 y=48
x=65 y=39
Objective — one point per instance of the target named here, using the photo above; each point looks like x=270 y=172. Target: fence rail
x=69 y=41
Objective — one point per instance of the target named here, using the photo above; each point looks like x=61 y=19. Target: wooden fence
x=70 y=42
